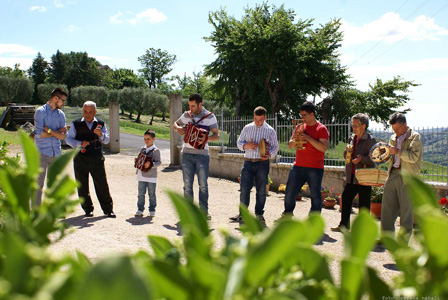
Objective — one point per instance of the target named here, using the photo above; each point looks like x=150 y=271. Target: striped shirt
x=252 y=131
x=208 y=124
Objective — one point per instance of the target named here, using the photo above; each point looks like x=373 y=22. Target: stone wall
x=228 y=165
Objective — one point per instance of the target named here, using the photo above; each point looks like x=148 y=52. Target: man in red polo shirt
x=309 y=164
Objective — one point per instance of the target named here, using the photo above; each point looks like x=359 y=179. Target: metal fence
x=435 y=143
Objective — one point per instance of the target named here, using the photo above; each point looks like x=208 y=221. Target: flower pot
x=298 y=198
x=267 y=188
x=329 y=203
x=375 y=209
x=324 y=195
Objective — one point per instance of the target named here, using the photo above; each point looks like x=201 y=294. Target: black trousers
x=348 y=195
x=93 y=165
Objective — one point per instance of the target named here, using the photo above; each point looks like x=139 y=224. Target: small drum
x=141 y=160
x=192 y=135
x=380 y=153
x=263 y=147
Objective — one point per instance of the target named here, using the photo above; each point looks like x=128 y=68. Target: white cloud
x=16 y=50
x=24 y=63
x=150 y=15
x=391 y=28
x=38 y=8
x=115 y=19
x=72 y=28
x=58 y=3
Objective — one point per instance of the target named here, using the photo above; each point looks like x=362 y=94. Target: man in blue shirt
x=49 y=130
x=91 y=133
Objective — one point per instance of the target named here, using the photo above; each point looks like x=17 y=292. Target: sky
x=382 y=39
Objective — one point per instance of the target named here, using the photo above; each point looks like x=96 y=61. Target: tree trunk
x=163 y=117
x=326 y=110
x=152 y=118
x=138 y=117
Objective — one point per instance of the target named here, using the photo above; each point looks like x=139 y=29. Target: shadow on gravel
x=83 y=221
x=326 y=238
x=176 y=227
x=171 y=169
x=392 y=267
x=140 y=220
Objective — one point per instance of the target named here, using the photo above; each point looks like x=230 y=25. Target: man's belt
x=253 y=159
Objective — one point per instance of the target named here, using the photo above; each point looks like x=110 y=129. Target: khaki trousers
x=396 y=202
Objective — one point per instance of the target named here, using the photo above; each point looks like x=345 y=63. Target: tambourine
x=263 y=147
x=380 y=153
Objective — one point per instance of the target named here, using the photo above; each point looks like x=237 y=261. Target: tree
x=156 y=63
x=38 y=72
x=75 y=69
x=12 y=73
x=120 y=78
x=379 y=102
x=58 y=68
x=15 y=89
x=269 y=59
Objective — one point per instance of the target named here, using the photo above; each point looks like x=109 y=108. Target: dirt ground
x=98 y=237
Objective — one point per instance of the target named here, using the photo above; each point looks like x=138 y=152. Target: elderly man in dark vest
x=91 y=133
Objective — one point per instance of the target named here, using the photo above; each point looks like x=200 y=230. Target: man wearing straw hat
x=406 y=153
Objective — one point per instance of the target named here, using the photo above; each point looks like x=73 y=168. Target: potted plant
x=324 y=191
x=376 y=201
x=330 y=199
x=443 y=202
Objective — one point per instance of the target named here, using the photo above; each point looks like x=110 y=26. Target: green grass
x=11 y=137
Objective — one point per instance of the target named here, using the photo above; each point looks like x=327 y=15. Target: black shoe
x=236 y=219
x=260 y=218
x=111 y=215
x=89 y=214
x=336 y=229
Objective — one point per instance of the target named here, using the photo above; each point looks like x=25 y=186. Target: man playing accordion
x=195 y=125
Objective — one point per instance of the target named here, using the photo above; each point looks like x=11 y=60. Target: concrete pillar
x=114 y=127
x=175 y=138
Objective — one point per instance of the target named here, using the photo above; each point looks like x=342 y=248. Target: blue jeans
x=296 y=179
x=258 y=172
x=196 y=164
x=142 y=187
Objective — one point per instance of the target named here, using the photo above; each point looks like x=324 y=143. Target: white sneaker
x=139 y=213
x=152 y=213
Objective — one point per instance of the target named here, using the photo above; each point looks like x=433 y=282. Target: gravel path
x=98 y=236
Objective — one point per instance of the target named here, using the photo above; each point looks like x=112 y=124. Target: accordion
x=192 y=135
x=141 y=160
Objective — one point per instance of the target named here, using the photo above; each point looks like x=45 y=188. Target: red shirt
x=311 y=157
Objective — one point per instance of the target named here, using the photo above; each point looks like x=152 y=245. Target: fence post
x=222 y=131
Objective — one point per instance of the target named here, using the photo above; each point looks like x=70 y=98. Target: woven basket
x=371 y=176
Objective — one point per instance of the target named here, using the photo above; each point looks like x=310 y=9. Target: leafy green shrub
x=44 y=91
x=15 y=90
x=81 y=94
x=277 y=263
